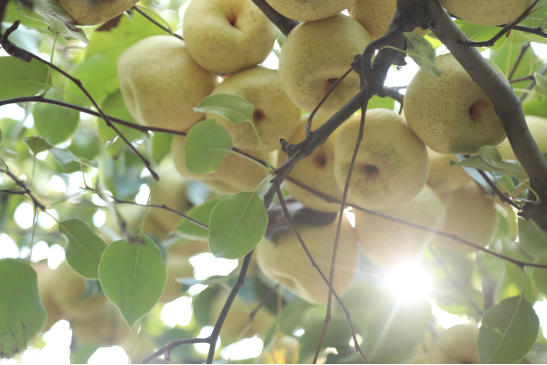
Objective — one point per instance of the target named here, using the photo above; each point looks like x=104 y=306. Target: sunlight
x=8 y=248
x=409 y=282
x=109 y=355
x=445 y=319
x=244 y=349
x=207 y=265
x=203 y=348
x=178 y=312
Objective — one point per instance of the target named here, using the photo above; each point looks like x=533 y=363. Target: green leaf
x=1 y=136
x=58 y=20
x=541 y=83
x=202 y=214
x=65 y=157
x=237 y=224
x=99 y=77
x=84 y=249
x=18 y=78
x=161 y=146
x=235 y=108
x=133 y=277
x=54 y=122
x=507 y=184
x=21 y=312
x=37 y=144
x=480 y=33
x=378 y=102
x=423 y=53
x=492 y=156
x=206 y=144
x=509 y=330
x=532 y=239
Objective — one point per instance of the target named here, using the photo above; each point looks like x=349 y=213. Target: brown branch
x=284 y=24
x=522 y=52
x=25 y=189
x=531 y=77
x=143 y=13
x=170 y=346
x=537 y=31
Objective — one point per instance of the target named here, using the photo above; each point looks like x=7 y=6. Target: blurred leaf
x=541 y=83
x=53 y=122
x=207 y=143
x=84 y=249
x=21 y=312
x=507 y=184
x=480 y=33
x=282 y=350
x=81 y=352
x=509 y=330
x=378 y=102
x=337 y=335
x=65 y=157
x=291 y=318
x=237 y=224
x=58 y=20
x=423 y=53
x=28 y=39
x=133 y=277
x=161 y=146
x=537 y=17
x=535 y=107
x=115 y=41
x=37 y=144
x=235 y=108
x=210 y=280
x=99 y=77
x=510 y=283
x=1 y=136
x=202 y=305
x=202 y=214
x=18 y=78
x=489 y=159
x=532 y=239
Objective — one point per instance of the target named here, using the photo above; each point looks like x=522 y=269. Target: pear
x=283 y=259
x=456 y=345
x=315 y=171
x=486 y=12
x=538 y=128
x=179 y=266
x=226 y=36
x=235 y=173
x=391 y=244
x=85 y=12
x=306 y=10
x=376 y=15
x=161 y=83
x=315 y=55
x=274 y=116
x=46 y=286
x=391 y=166
x=109 y=329
x=169 y=191
x=238 y=318
x=539 y=275
x=443 y=177
x=452 y=114
x=470 y=215
x=70 y=295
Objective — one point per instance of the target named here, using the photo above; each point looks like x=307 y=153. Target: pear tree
x=273 y=181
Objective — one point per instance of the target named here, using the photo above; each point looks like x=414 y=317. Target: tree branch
x=143 y=13
x=284 y=24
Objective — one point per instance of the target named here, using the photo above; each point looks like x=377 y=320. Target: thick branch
x=284 y=24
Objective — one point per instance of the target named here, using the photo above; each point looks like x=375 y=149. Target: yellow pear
x=283 y=259
x=452 y=114
x=226 y=36
x=238 y=318
x=314 y=55
x=443 y=177
x=235 y=173
x=470 y=215
x=69 y=291
x=376 y=15
x=108 y=329
x=46 y=286
x=486 y=12
x=391 y=166
x=538 y=128
x=391 y=244
x=170 y=190
x=456 y=345
x=309 y=10
x=179 y=266
x=315 y=171
x=161 y=83
x=85 y=12
x=282 y=350
x=274 y=116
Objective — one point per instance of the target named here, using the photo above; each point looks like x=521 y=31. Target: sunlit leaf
x=58 y=20
x=37 y=144
x=18 y=78
x=235 y=108
x=202 y=214
x=206 y=144
x=133 y=277
x=422 y=53
x=541 y=83
x=237 y=224
x=21 y=312
x=65 y=157
x=509 y=330
x=84 y=249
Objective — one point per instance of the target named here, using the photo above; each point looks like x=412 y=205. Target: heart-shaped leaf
x=18 y=78
x=37 y=144
x=206 y=144
x=509 y=330
x=133 y=277
x=423 y=53
x=237 y=224
x=21 y=312
x=84 y=249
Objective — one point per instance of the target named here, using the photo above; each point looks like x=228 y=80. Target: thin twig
x=143 y=13
x=531 y=77
x=537 y=31
x=27 y=191
x=505 y=29
x=519 y=58
x=262 y=302
x=170 y=346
